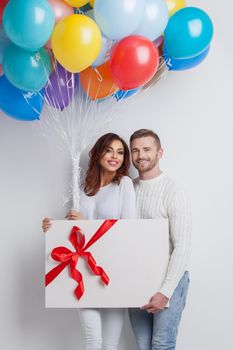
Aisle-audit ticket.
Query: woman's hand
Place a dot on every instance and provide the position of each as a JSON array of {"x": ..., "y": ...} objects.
[
  {"x": 74, "y": 215},
  {"x": 46, "y": 224}
]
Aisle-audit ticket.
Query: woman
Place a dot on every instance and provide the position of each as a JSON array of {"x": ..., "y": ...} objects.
[{"x": 108, "y": 194}]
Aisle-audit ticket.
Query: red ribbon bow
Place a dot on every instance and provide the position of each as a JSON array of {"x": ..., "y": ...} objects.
[{"x": 67, "y": 257}]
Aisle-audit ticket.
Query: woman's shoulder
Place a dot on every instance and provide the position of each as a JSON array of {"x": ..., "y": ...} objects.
[{"x": 126, "y": 180}]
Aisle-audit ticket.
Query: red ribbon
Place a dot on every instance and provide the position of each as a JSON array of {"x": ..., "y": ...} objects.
[{"x": 68, "y": 257}]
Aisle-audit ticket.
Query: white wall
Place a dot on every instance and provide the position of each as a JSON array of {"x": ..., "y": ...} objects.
[{"x": 192, "y": 112}]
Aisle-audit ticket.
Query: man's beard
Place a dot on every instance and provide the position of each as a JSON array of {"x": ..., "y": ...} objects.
[{"x": 150, "y": 165}]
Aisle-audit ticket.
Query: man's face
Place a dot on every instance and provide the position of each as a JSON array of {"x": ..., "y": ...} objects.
[{"x": 145, "y": 155}]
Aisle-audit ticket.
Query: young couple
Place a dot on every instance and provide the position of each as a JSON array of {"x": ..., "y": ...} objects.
[{"x": 109, "y": 193}]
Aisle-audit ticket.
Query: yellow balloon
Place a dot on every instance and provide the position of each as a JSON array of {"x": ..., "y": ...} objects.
[
  {"x": 77, "y": 3},
  {"x": 76, "y": 42},
  {"x": 92, "y": 2},
  {"x": 175, "y": 5}
]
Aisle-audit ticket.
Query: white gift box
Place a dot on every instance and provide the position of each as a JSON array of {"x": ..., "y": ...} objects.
[{"x": 133, "y": 253}]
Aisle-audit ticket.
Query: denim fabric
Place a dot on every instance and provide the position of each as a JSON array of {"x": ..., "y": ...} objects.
[{"x": 159, "y": 331}]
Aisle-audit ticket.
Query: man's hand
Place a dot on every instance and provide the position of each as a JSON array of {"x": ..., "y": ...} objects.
[{"x": 157, "y": 303}]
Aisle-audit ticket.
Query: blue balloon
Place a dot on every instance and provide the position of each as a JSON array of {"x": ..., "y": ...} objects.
[
  {"x": 117, "y": 19},
  {"x": 26, "y": 70},
  {"x": 121, "y": 94},
  {"x": 25, "y": 106},
  {"x": 4, "y": 41},
  {"x": 188, "y": 33},
  {"x": 154, "y": 19},
  {"x": 28, "y": 23},
  {"x": 184, "y": 63},
  {"x": 107, "y": 44},
  {"x": 84, "y": 8}
]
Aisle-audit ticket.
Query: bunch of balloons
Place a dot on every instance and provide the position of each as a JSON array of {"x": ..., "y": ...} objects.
[{"x": 108, "y": 48}]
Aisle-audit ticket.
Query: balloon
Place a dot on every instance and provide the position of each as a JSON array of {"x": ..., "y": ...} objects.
[
  {"x": 4, "y": 41},
  {"x": 98, "y": 82},
  {"x": 92, "y": 3},
  {"x": 121, "y": 94},
  {"x": 184, "y": 63},
  {"x": 118, "y": 19},
  {"x": 134, "y": 60},
  {"x": 188, "y": 33},
  {"x": 2, "y": 6},
  {"x": 76, "y": 42},
  {"x": 159, "y": 44},
  {"x": 28, "y": 23},
  {"x": 60, "y": 10},
  {"x": 107, "y": 44},
  {"x": 61, "y": 88},
  {"x": 154, "y": 19},
  {"x": 26, "y": 70},
  {"x": 85, "y": 8},
  {"x": 175, "y": 5},
  {"x": 77, "y": 3},
  {"x": 20, "y": 105}
]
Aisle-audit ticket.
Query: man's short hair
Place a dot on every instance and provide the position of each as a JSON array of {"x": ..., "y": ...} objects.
[{"x": 144, "y": 133}]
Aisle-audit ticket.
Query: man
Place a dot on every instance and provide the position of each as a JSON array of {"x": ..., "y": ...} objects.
[{"x": 156, "y": 324}]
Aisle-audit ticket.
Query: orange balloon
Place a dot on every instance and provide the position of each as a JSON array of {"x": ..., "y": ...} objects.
[{"x": 98, "y": 82}]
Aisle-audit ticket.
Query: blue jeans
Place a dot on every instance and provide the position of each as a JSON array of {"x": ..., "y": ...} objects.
[{"x": 159, "y": 331}]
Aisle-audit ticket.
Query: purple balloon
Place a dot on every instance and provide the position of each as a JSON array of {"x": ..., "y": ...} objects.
[{"x": 61, "y": 87}]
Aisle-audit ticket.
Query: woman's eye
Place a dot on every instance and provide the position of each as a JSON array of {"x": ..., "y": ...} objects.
[{"x": 121, "y": 153}]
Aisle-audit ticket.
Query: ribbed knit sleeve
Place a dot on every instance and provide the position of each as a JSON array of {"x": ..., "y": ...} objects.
[
  {"x": 179, "y": 215},
  {"x": 161, "y": 198}
]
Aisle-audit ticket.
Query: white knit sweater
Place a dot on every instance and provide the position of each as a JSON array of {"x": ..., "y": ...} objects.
[{"x": 161, "y": 198}]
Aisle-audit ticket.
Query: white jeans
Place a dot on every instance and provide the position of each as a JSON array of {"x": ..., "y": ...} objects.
[{"x": 101, "y": 328}]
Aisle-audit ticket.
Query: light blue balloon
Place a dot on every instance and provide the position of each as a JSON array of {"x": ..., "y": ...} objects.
[
  {"x": 104, "y": 53},
  {"x": 25, "y": 106},
  {"x": 188, "y": 33},
  {"x": 121, "y": 94},
  {"x": 4, "y": 41},
  {"x": 117, "y": 19},
  {"x": 178, "y": 64},
  {"x": 107, "y": 44},
  {"x": 154, "y": 19},
  {"x": 26, "y": 70},
  {"x": 28, "y": 23}
]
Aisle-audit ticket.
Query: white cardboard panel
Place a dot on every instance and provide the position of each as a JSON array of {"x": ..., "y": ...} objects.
[{"x": 134, "y": 254}]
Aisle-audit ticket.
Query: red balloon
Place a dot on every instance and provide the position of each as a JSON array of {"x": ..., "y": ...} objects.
[
  {"x": 134, "y": 61},
  {"x": 2, "y": 6}
]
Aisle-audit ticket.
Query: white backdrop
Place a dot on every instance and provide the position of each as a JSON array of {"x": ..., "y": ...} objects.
[{"x": 192, "y": 112}]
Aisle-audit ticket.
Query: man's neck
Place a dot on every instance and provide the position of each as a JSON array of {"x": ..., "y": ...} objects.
[{"x": 151, "y": 174}]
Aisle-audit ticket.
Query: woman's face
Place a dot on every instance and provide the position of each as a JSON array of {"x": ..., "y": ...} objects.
[{"x": 113, "y": 157}]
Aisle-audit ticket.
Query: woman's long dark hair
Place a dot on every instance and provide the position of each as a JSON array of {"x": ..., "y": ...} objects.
[{"x": 93, "y": 180}]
